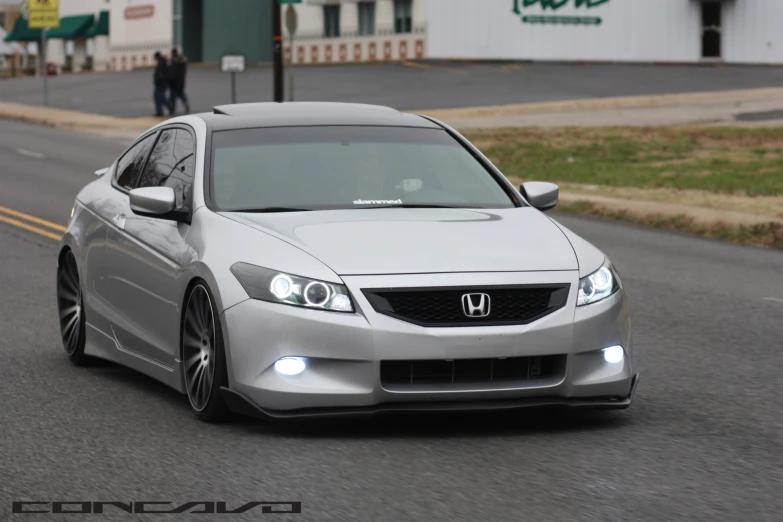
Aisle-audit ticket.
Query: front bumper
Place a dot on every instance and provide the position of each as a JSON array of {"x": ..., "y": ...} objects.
[
  {"x": 345, "y": 351},
  {"x": 244, "y": 406}
]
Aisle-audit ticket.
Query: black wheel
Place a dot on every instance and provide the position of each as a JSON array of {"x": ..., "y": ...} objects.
[
  {"x": 71, "y": 309},
  {"x": 203, "y": 360}
]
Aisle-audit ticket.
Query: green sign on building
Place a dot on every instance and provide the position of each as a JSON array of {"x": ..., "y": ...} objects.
[{"x": 555, "y": 5}]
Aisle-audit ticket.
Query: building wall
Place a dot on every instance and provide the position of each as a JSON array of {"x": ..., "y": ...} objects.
[
  {"x": 237, "y": 26},
  {"x": 133, "y": 41},
  {"x": 753, "y": 31},
  {"x": 629, "y": 30},
  {"x": 649, "y": 30},
  {"x": 310, "y": 45}
]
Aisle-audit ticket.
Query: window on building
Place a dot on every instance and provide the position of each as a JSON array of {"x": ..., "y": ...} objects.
[
  {"x": 403, "y": 16},
  {"x": 366, "y": 18},
  {"x": 331, "y": 21}
]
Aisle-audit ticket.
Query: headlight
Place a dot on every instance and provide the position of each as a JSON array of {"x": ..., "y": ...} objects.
[
  {"x": 599, "y": 285},
  {"x": 278, "y": 287}
]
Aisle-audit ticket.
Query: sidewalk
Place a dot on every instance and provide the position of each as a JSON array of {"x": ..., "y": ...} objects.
[{"x": 72, "y": 119}]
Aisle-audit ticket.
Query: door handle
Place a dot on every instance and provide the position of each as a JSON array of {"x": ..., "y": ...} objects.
[{"x": 119, "y": 221}]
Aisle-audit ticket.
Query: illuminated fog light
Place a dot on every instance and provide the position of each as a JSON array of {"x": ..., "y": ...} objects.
[
  {"x": 614, "y": 354},
  {"x": 282, "y": 286},
  {"x": 290, "y": 366}
]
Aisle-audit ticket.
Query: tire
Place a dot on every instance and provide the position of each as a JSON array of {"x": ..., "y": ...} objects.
[
  {"x": 70, "y": 308},
  {"x": 203, "y": 357}
]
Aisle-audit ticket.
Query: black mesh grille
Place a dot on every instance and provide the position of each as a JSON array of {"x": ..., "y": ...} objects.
[
  {"x": 444, "y": 306},
  {"x": 472, "y": 371}
]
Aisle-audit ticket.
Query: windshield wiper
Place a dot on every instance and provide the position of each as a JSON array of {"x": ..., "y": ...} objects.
[{"x": 270, "y": 209}]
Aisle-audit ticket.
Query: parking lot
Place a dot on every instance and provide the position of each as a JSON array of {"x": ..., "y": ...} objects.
[{"x": 410, "y": 86}]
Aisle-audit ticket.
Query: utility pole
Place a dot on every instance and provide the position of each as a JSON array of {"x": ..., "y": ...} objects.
[
  {"x": 44, "y": 68},
  {"x": 277, "y": 49}
]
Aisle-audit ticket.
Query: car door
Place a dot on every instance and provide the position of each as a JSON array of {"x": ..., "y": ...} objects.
[
  {"x": 147, "y": 255},
  {"x": 109, "y": 203}
]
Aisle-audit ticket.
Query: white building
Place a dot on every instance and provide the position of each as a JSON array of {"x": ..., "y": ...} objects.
[
  {"x": 125, "y": 34},
  {"x": 338, "y": 31},
  {"x": 138, "y": 29},
  {"x": 685, "y": 31}
]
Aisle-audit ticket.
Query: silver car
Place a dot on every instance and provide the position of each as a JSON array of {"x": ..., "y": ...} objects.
[{"x": 311, "y": 259}]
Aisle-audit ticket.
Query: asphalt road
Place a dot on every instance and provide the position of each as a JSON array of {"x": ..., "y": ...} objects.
[
  {"x": 702, "y": 441},
  {"x": 428, "y": 85}
]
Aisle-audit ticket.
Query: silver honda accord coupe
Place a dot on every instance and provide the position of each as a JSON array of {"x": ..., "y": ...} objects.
[{"x": 310, "y": 259}]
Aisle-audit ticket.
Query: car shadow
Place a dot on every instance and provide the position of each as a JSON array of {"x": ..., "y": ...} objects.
[{"x": 530, "y": 421}]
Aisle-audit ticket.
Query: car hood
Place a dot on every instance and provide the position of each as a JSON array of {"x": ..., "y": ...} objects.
[{"x": 409, "y": 241}]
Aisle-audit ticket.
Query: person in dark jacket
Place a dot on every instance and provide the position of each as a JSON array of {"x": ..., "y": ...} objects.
[
  {"x": 161, "y": 79},
  {"x": 179, "y": 64}
]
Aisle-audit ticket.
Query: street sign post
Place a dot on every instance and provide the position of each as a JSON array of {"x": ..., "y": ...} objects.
[
  {"x": 291, "y": 24},
  {"x": 43, "y": 14},
  {"x": 233, "y": 64}
]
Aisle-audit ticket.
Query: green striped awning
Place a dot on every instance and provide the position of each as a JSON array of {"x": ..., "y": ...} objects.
[
  {"x": 22, "y": 33},
  {"x": 72, "y": 27},
  {"x": 100, "y": 27}
]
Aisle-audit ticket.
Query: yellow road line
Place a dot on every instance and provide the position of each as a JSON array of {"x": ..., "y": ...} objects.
[
  {"x": 511, "y": 67},
  {"x": 408, "y": 63},
  {"x": 31, "y": 228},
  {"x": 33, "y": 219}
]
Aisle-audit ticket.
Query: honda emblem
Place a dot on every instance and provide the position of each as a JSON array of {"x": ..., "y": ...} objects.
[{"x": 475, "y": 305}]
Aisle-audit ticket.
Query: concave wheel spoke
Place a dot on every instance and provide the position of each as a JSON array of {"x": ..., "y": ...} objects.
[
  {"x": 198, "y": 313},
  {"x": 191, "y": 342},
  {"x": 210, "y": 374},
  {"x": 65, "y": 313},
  {"x": 199, "y": 365},
  {"x": 193, "y": 385},
  {"x": 192, "y": 360},
  {"x": 204, "y": 387},
  {"x": 70, "y": 323},
  {"x": 69, "y": 301},
  {"x": 191, "y": 324},
  {"x": 71, "y": 276}
]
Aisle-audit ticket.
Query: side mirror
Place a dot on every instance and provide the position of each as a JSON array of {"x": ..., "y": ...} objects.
[
  {"x": 153, "y": 201},
  {"x": 541, "y": 195},
  {"x": 101, "y": 172}
]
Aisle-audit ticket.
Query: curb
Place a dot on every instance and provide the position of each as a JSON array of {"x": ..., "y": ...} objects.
[{"x": 54, "y": 117}]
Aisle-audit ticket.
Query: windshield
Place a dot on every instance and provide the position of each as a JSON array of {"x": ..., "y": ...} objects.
[{"x": 343, "y": 167}]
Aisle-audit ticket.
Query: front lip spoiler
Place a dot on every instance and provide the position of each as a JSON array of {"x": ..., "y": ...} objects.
[{"x": 244, "y": 406}]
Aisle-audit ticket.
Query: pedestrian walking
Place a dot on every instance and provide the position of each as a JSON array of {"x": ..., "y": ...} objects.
[
  {"x": 161, "y": 80},
  {"x": 179, "y": 64}
]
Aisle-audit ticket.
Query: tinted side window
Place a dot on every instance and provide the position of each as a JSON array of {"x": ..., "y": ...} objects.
[
  {"x": 129, "y": 165},
  {"x": 172, "y": 164}
]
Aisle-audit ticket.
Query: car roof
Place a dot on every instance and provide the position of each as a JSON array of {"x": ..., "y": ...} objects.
[{"x": 303, "y": 114}]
